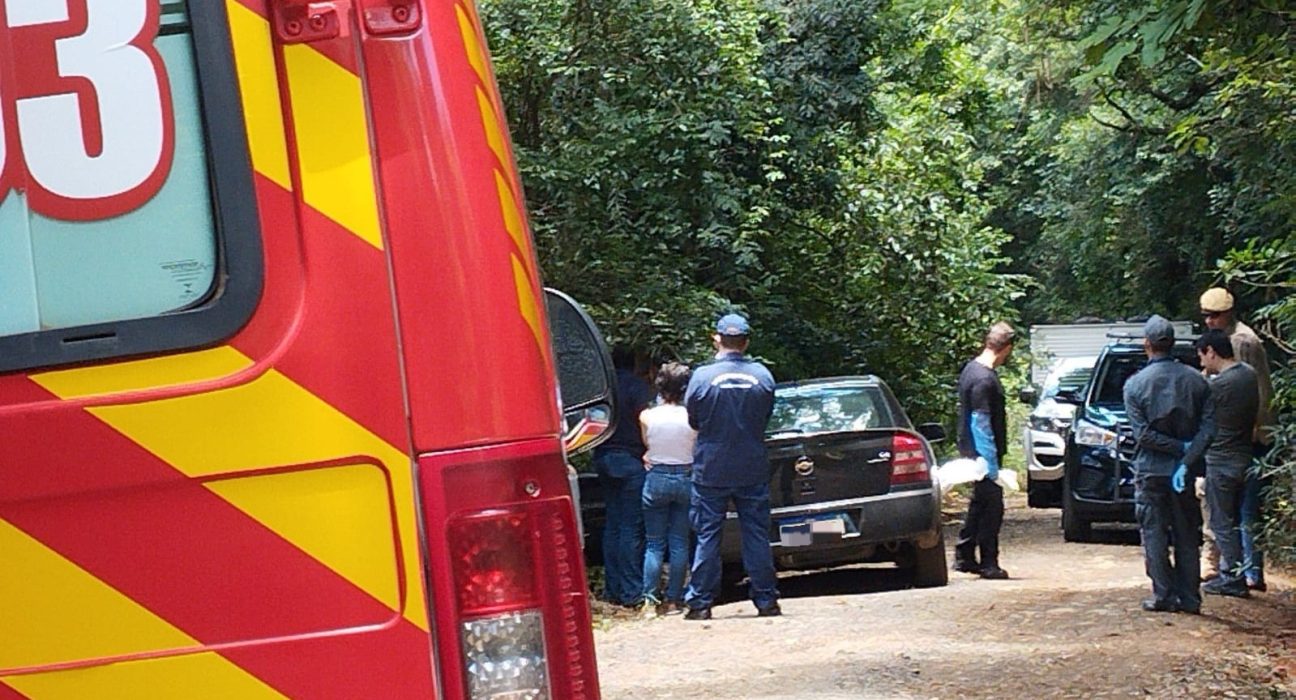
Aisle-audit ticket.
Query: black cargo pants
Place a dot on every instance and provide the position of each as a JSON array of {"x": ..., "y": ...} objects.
[
  {"x": 1168, "y": 519},
  {"x": 981, "y": 527}
]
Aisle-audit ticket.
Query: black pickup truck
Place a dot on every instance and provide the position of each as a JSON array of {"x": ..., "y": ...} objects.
[
  {"x": 850, "y": 481},
  {"x": 1098, "y": 477}
]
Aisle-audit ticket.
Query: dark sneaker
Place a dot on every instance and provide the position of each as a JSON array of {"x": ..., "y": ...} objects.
[
  {"x": 967, "y": 567},
  {"x": 698, "y": 614},
  {"x": 771, "y": 610},
  {"x": 1219, "y": 586},
  {"x": 1154, "y": 605},
  {"x": 1257, "y": 585},
  {"x": 993, "y": 572}
]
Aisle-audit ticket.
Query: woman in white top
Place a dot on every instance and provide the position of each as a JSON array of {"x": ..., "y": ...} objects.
[{"x": 669, "y": 460}]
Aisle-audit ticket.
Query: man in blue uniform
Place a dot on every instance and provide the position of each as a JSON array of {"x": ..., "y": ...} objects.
[
  {"x": 729, "y": 402},
  {"x": 983, "y": 432},
  {"x": 1171, "y": 414}
]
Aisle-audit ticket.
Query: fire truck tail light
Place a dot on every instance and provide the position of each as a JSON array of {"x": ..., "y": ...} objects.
[
  {"x": 502, "y": 629},
  {"x": 504, "y": 657},
  {"x": 494, "y": 562}
]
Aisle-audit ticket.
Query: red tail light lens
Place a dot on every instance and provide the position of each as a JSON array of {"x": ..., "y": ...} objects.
[
  {"x": 908, "y": 460},
  {"x": 494, "y": 562}
]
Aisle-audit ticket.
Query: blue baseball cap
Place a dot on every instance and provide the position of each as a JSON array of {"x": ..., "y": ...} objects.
[
  {"x": 1157, "y": 329},
  {"x": 733, "y": 324}
]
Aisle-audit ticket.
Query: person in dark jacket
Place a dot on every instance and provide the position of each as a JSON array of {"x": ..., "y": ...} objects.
[
  {"x": 1171, "y": 415},
  {"x": 729, "y": 403},
  {"x": 983, "y": 432},
  {"x": 620, "y": 466}
]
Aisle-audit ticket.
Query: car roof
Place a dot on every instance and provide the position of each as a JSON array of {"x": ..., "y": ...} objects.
[{"x": 851, "y": 380}]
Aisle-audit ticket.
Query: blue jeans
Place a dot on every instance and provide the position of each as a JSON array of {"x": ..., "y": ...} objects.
[
  {"x": 665, "y": 509},
  {"x": 707, "y": 511},
  {"x": 1252, "y": 496},
  {"x": 623, "y": 540},
  {"x": 1168, "y": 519},
  {"x": 1224, "y": 488}
]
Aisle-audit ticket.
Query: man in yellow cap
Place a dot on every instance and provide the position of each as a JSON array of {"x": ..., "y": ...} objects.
[{"x": 1219, "y": 312}]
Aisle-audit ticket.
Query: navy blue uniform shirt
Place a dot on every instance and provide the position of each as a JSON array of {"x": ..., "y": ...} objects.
[{"x": 729, "y": 403}]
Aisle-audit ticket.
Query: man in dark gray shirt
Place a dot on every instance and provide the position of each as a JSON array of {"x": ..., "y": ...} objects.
[
  {"x": 1236, "y": 397},
  {"x": 1169, "y": 409}
]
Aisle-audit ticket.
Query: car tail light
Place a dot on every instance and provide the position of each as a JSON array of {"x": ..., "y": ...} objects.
[
  {"x": 520, "y": 603},
  {"x": 908, "y": 460}
]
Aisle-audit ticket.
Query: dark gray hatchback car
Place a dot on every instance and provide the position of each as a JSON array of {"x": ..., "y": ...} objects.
[{"x": 850, "y": 481}]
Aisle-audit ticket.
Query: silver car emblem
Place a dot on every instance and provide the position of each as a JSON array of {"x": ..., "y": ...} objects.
[{"x": 804, "y": 466}]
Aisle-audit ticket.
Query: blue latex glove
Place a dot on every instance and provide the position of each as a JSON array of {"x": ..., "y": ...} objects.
[
  {"x": 1179, "y": 481},
  {"x": 1187, "y": 445},
  {"x": 984, "y": 442}
]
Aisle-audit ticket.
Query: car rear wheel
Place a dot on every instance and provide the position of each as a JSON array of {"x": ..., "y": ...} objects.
[
  {"x": 930, "y": 570},
  {"x": 1074, "y": 527}
]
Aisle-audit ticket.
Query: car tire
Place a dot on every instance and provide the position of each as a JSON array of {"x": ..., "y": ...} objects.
[
  {"x": 930, "y": 569},
  {"x": 1074, "y": 527}
]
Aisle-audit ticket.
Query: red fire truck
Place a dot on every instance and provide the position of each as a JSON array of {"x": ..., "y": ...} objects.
[{"x": 278, "y": 413}]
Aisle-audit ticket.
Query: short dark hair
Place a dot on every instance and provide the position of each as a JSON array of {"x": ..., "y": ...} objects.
[
  {"x": 1161, "y": 346},
  {"x": 672, "y": 381},
  {"x": 623, "y": 356},
  {"x": 1216, "y": 340},
  {"x": 733, "y": 342},
  {"x": 1000, "y": 336}
]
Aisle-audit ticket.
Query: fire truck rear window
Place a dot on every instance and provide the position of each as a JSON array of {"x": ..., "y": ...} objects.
[{"x": 106, "y": 211}]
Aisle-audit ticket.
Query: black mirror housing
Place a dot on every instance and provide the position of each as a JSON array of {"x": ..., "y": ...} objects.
[
  {"x": 1028, "y": 395},
  {"x": 1071, "y": 396},
  {"x": 586, "y": 379},
  {"x": 934, "y": 432}
]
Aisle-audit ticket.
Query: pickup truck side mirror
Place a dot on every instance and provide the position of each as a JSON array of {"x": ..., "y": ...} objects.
[
  {"x": 934, "y": 432},
  {"x": 1071, "y": 396},
  {"x": 1028, "y": 395},
  {"x": 585, "y": 375}
]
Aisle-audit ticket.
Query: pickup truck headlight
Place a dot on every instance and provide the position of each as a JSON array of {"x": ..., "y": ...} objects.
[
  {"x": 1049, "y": 424},
  {"x": 1092, "y": 435}
]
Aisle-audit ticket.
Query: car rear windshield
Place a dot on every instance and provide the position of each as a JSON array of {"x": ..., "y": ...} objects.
[{"x": 828, "y": 408}]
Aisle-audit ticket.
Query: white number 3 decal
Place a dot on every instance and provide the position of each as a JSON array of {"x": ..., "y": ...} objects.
[{"x": 92, "y": 105}]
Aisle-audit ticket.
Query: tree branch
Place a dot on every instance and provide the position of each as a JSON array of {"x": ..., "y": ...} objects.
[{"x": 1129, "y": 118}]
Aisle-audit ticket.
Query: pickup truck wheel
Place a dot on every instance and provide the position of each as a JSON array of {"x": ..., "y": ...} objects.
[
  {"x": 929, "y": 569},
  {"x": 1074, "y": 528}
]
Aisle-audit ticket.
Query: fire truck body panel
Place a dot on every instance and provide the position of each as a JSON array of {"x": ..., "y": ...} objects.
[{"x": 273, "y": 512}]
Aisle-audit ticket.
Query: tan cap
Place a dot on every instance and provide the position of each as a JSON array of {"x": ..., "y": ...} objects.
[{"x": 1216, "y": 299}]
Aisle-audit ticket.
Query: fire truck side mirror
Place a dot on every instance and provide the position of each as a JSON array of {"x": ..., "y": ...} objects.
[{"x": 585, "y": 375}]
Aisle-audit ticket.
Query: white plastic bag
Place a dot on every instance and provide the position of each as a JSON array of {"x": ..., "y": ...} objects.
[{"x": 965, "y": 471}]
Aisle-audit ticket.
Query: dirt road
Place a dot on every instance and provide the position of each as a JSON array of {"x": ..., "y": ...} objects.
[{"x": 1066, "y": 625}]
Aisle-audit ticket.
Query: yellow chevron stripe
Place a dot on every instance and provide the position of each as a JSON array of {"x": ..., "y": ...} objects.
[
  {"x": 332, "y": 131},
  {"x": 511, "y": 213},
  {"x": 196, "y": 677},
  {"x": 274, "y": 422},
  {"x": 341, "y": 515},
  {"x": 259, "y": 86},
  {"x": 527, "y": 304},
  {"x": 491, "y": 124},
  {"x": 476, "y": 57},
  {"x": 158, "y": 372},
  {"x": 55, "y": 611}
]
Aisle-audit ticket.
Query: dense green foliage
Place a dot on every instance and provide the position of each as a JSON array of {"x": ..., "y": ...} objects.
[{"x": 875, "y": 181}]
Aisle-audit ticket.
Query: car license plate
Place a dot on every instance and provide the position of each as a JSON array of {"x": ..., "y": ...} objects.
[{"x": 801, "y": 533}]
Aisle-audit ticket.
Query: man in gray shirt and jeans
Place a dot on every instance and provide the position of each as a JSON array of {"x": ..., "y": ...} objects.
[
  {"x": 1169, "y": 409},
  {"x": 1236, "y": 397}
]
